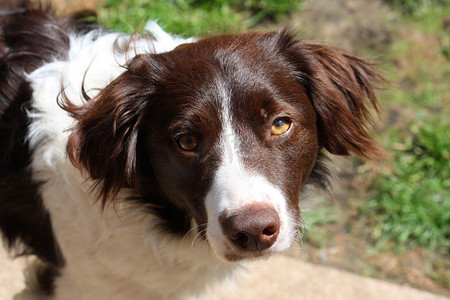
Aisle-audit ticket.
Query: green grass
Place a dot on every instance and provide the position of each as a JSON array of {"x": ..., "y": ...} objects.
[
  {"x": 413, "y": 7},
  {"x": 314, "y": 220},
  {"x": 411, "y": 202},
  {"x": 193, "y": 17},
  {"x": 411, "y": 205}
]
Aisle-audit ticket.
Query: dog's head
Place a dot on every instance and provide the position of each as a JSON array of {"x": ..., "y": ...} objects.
[{"x": 225, "y": 132}]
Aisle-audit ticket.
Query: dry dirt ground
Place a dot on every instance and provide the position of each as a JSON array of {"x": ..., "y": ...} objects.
[{"x": 280, "y": 277}]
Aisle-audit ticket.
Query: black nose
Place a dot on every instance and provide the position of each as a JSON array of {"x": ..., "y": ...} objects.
[{"x": 254, "y": 228}]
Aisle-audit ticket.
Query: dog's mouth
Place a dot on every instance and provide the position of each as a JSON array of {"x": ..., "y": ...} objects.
[{"x": 232, "y": 255}]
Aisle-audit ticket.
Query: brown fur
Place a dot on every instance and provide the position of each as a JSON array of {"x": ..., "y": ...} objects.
[{"x": 327, "y": 92}]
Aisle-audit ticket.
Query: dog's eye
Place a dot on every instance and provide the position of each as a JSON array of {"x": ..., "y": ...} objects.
[
  {"x": 280, "y": 126},
  {"x": 188, "y": 142}
]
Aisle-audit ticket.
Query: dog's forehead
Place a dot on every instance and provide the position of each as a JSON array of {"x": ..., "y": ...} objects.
[
  {"x": 202, "y": 74},
  {"x": 234, "y": 54}
]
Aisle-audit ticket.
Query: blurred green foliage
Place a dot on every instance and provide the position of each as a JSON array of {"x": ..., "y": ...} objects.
[
  {"x": 313, "y": 229},
  {"x": 411, "y": 205},
  {"x": 193, "y": 17},
  {"x": 411, "y": 7}
]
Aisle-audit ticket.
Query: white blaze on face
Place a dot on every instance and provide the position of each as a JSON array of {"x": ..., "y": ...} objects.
[{"x": 234, "y": 187}]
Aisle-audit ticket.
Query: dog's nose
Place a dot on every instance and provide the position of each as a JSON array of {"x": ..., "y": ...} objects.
[{"x": 254, "y": 228}]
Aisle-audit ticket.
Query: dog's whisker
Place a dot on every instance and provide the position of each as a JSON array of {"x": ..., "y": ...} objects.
[
  {"x": 297, "y": 244},
  {"x": 195, "y": 237},
  {"x": 192, "y": 229}
]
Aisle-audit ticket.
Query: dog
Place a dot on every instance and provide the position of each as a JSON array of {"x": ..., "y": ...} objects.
[{"x": 151, "y": 166}]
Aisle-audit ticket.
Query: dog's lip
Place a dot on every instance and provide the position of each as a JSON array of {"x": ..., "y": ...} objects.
[{"x": 234, "y": 255}]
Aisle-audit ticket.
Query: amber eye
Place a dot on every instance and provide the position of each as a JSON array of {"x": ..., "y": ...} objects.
[
  {"x": 188, "y": 142},
  {"x": 280, "y": 126}
]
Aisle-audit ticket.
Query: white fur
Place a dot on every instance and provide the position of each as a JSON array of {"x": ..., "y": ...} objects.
[{"x": 115, "y": 254}]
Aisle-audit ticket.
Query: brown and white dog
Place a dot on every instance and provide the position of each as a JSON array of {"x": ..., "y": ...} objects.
[{"x": 146, "y": 168}]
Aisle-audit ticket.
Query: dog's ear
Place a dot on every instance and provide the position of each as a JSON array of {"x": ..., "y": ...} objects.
[
  {"x": 342, "y": 89},
  {"x": 104, "y": 140}
]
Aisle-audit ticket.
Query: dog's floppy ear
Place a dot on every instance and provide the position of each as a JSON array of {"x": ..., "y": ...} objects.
[
  {"x": 104, "y": 139},
  {"x": 342, "y": 89}
]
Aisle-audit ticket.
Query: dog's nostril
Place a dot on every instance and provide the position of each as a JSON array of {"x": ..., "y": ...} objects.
[
  {"x": 270, "y": 230},
  {"x": 241, "y": 239},
  {"x": 255, "y": 228}
]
